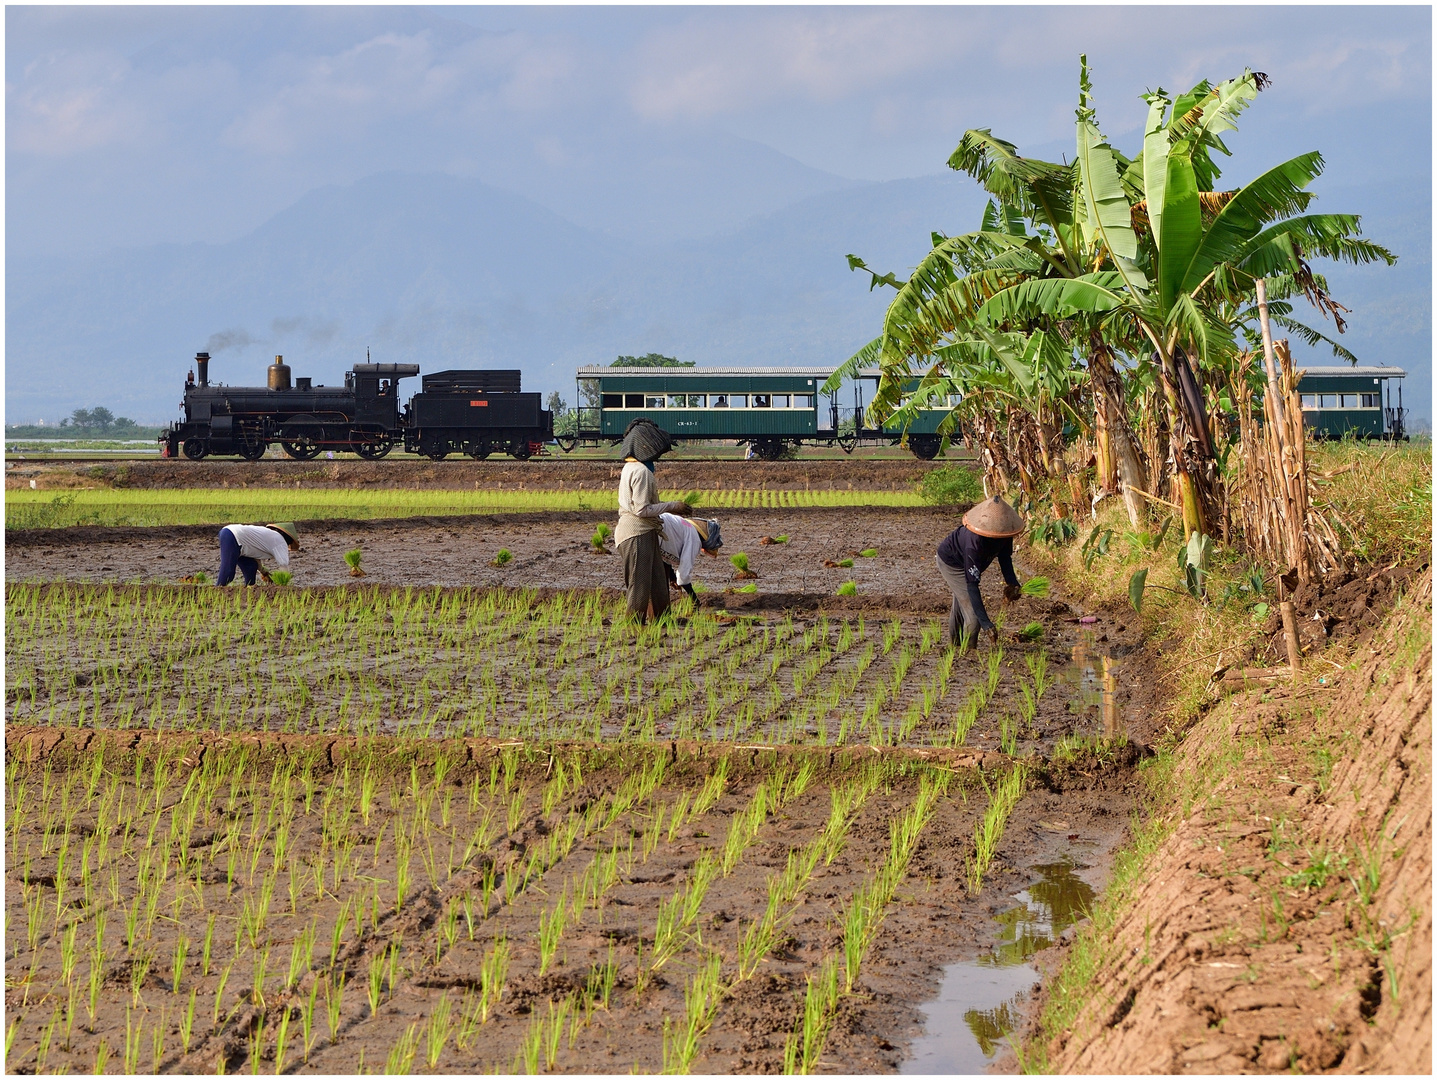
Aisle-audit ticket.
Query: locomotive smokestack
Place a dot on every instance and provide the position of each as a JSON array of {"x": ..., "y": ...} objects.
[
  {"x": 202, "y": 365},
  {"x": 279, "y": 374}
]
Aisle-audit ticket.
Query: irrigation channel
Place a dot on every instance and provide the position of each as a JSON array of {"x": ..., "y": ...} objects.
[{"x": 459, "y": 827}]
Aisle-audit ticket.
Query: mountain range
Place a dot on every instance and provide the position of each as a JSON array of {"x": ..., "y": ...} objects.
[{"x": 448, "y": 272}]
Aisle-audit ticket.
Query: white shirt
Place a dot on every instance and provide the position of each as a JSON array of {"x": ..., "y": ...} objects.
[
  {"x": 638, "y": 502},
  {"x": 261, "y": 542},
  {"x": 679, "y": 544}
]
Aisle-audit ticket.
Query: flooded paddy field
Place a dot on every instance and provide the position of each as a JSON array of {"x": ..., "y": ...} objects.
[
  {"x": 305, "y": 904},
  {"x": 459, "y": 827}
]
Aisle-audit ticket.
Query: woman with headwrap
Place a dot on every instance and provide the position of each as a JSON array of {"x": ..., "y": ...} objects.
[
  {"x": 637, "y": 534},
  {"x": 986, "y": 533}
]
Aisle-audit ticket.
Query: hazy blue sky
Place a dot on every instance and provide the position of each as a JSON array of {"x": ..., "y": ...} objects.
[{"x": 130, "y": 125}]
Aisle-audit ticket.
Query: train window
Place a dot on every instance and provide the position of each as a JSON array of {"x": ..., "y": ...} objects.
[
  {"x": 780, "y": 401},
  {"x": 761, "y": 401},
  {"x": 612, "y": 401},
  {"x": 1309, "y": 401},
  {"x": 954, "y": 400},
  {"x": 633, "y": 401},
  {"x": 1372, "y": 401},
  {"x": 1352, "y": 401},
  {"x": 677, "y": 401},
  {"x": 653, "y": 401},
  {"x": 738, "y": 401},
  {"x": 698, "y": 401},
  {"x": 1327, "y": 401},
  {"x": 718, "y": 401},
  {"x": 803, "y": 401}
]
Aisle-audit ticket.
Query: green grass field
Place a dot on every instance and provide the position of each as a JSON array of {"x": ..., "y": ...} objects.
[{"x": 218, "y": 506}]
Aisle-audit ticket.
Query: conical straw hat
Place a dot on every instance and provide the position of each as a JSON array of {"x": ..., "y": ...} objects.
[{"x": 994, "y": 518}]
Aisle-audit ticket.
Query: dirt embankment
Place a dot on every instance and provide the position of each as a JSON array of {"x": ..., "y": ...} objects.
[
  {"x": 1285, "y": 924},
  {"x": 462, "y": 475}
]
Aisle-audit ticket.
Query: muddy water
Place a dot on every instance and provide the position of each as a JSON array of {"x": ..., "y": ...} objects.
[{"x": 980, "y": 1001}]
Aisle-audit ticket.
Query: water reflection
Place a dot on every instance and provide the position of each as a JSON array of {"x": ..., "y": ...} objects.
[
  {"x": 987, "y": 994},
  {"x": 1044, "y": 910},
  {"x": 1094, "y": 678}
]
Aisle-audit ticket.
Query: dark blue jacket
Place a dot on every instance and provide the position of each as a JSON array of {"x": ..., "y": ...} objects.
[{"x": 971, "y": 553}]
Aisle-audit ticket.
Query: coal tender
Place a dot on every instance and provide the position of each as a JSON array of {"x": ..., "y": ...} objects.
[{"x": 469, "y": 412}]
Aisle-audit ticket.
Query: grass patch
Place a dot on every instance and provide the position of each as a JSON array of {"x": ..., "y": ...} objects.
[{"x": 205, "y": 506}]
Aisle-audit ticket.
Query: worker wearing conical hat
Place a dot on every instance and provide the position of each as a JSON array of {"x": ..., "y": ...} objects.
[
  {"x": 680, "y": 542},
  {"x": 244, "y": 547},
  {"x": 986, "y": 534}
]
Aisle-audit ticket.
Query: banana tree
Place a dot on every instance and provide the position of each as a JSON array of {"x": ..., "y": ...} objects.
[{"x": 1167, "y": 253}]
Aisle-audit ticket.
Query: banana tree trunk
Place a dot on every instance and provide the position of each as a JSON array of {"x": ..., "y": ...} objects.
[
  {"x": 1122, "y": 444},
  {"x": 1185, "y": 480}
]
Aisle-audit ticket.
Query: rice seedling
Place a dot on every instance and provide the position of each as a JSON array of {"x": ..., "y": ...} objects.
[
  {"x": 602, "y": 532},
  {"x": 501, "y": 557},
  {"x": 848, "y": 588},
  {"x": 492, "y": 974},
  {"x": 401, "y": 1055},
  {"x": 281, "y": 577},
  {"x": 334, "y": 1004},
  {"x": 281, "y": 1038},
  {"x": 1037, "y": 587},
  {"x": 437, "y": 1031},
  {"x": 353, "y": 558},
  {"x": 1002, "y": 797},
  {"x": 1031, "y": 631}
]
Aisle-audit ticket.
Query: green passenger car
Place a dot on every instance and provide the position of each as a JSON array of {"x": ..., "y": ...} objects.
[
  {"x": 766, "y": 407},
  {"x": 923, "y": 438},
  {"x": 1365, "y": 402}
]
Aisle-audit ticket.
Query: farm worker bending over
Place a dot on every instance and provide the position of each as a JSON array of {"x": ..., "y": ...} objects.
[
  {"x": 986, "y": 533},
  {"x": 637, "y": 534},
  {"x": 244, "y": 546},
  {"x": 680, "y": 541}
]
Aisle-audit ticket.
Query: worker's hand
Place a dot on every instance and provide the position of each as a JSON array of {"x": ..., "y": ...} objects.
[
  {"x": 265, "y": 574},
  {"x": 1012, "y": 592},
  {"x": 993, "y": 630}
]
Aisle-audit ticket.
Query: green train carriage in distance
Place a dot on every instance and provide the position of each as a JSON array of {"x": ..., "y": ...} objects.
[
  {"x": 1358, "y": 401},
  {"x": 768, "y": 408}
]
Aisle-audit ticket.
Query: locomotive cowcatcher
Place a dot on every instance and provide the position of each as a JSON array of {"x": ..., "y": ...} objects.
[{"x": 470, "y": 412}]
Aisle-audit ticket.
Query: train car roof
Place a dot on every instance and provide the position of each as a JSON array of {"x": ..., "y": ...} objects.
[
  {"x": 1377, "y": 371},
  {"x": 797, "y": 372},
  {"x": 399, "y": 370}
]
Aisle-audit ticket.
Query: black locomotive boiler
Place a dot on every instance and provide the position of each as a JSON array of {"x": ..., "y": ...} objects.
[{"x": 470, "y": 412}]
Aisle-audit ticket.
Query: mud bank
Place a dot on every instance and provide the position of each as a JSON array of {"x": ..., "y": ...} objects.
[{"x": 1284, "y": 923}]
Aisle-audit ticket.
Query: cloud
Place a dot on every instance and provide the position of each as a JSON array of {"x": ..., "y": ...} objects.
[
  {"x": 716, "y": 63},
  {"x": 64, "y": 102}
]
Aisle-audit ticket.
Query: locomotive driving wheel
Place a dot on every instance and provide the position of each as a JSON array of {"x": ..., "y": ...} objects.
[
  {"x": 482, "y": 451},
  {"x": 372, "y": 445},
  {"x": 301, "y": 438},
  {"x": 768, "y": 449},
  {"x": 249, "y": 442},
  {"x": 519, "y": 450},
  {"x": 195, "y": 448}
]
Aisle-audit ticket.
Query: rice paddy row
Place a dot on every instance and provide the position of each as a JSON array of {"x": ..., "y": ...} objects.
[
  {"x": 171, "y": 911},
  {"x": 438, "y": 662},
  {"x": 26, "y": 509}
]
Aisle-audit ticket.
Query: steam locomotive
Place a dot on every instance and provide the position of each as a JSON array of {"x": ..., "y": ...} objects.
[{"x": 477, "y": 413}]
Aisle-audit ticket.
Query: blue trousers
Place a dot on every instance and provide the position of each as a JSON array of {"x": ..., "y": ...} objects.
[{"x": 230, "y": 558}]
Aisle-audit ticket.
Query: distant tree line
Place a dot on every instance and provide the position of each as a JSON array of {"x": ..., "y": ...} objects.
[{"x": 95, "y": 423}]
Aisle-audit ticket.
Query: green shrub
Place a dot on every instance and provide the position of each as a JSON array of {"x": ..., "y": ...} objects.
[{"x": 951, "y": 486}]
